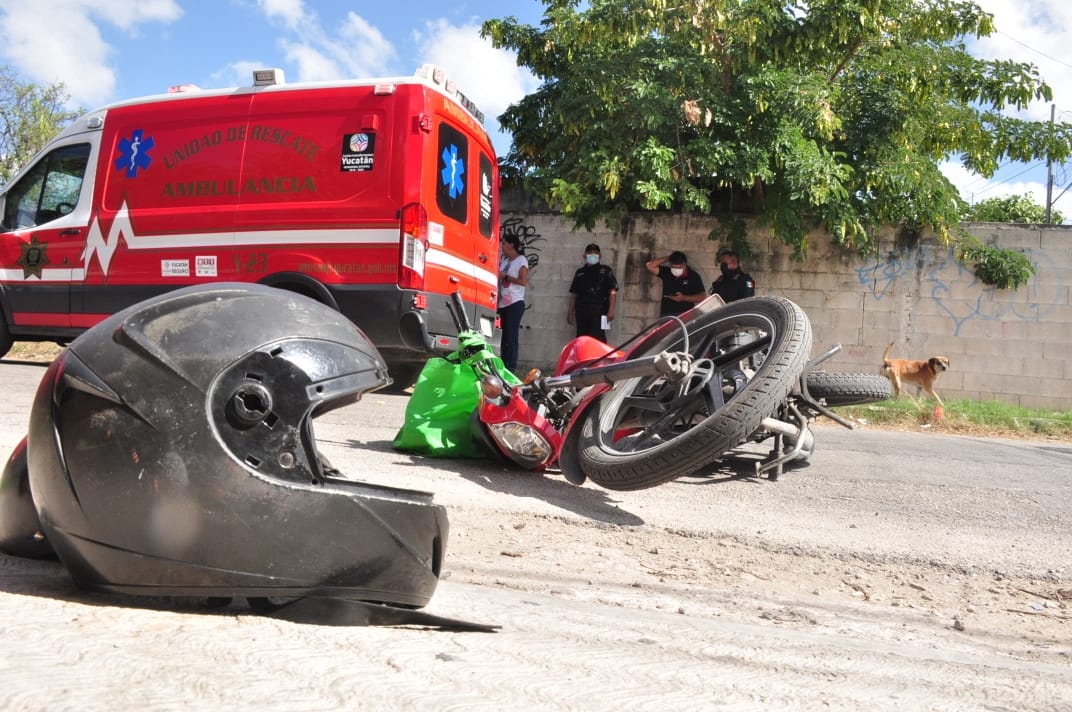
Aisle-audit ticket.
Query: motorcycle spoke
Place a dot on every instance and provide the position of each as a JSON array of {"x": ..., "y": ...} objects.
[
  {"x": 675, "y": 406},
  {"x": 643, "y": 403},
  {"x": 744, "y": 351},
  {"x": 706, "y": 346}
]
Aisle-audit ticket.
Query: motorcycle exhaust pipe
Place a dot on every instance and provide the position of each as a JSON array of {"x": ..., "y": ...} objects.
[
  {"x": 800, "y": 438},
  {"x": 781, "y": 427}
]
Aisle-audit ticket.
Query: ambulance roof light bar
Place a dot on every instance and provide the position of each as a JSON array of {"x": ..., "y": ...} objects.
[
  {"x": 438, "y": 77},
  {"x": 268, "y": 77}
]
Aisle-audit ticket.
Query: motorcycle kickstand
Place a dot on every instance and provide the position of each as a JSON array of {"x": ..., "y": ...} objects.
[{"x": 774, "y": 469}]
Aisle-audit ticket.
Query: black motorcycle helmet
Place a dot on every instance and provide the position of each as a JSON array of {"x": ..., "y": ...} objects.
[{"x": 171, "y": 453}]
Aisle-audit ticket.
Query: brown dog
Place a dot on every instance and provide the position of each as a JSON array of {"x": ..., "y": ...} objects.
[{"x": 922, "y": 373}]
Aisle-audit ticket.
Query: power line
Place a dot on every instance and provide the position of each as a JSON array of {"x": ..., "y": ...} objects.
[
  {"x": 1027, "y": 46},
  {"x": 990, "y": 184}
]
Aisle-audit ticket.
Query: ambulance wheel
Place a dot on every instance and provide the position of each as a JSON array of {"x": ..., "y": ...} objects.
[
  {"x": 403, "y": 376},
  {"x": 5, "y": 337}
]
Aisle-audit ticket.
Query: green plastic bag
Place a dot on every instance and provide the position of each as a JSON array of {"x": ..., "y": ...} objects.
[{"x": 444, "y": 398}]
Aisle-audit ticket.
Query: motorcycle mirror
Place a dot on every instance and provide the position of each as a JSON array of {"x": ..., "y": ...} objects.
[{"x": 491, "y": 386}]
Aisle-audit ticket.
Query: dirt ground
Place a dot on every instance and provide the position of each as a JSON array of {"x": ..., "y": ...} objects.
[
  {"x": 845, "y": 585},
  {"x": 669, "y": 571}
]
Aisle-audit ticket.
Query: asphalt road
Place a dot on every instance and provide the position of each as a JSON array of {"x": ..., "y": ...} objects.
[{"x": 834, "y": 587}]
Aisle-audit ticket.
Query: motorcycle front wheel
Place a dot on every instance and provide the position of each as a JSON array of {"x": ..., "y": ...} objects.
[{"x": 747, "y": 356}]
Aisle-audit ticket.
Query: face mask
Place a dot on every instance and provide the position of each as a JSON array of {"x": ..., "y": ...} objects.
[
  {"x": 677, "y": 271},
  {"x": 592, "y": 259}
]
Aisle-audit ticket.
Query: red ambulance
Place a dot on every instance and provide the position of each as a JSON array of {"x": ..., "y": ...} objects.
[{"x": 376, "y": 197}]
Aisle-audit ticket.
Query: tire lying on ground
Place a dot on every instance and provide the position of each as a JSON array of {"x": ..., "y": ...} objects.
[{"x": 840, "y": 389}]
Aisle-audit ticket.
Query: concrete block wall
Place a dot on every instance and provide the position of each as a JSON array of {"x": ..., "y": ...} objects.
[{"x": 1010, "y": 346}]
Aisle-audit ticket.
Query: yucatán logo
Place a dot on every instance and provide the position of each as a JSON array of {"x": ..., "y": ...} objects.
[{"x": 358, "y": 152}]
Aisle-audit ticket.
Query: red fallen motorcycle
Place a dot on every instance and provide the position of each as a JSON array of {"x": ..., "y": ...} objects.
[{"x": 669, "y": 402}]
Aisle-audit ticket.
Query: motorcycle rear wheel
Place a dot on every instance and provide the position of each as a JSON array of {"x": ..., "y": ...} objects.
[
  {"x": 645, "y": 431},
  {"x": 839, "y": 389}
]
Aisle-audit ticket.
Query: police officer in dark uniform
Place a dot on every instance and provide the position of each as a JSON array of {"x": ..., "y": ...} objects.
[
  {"x": 733, "y": 284},
  {"x": 593, "y": 294},
  {"x": 683, "y": 288}
]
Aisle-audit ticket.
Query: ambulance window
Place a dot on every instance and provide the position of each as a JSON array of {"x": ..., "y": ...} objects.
[
  {"x": 49, "y": 190},
  {"x": 487, "y": 196},
  {"x": 452, "y": 159}
]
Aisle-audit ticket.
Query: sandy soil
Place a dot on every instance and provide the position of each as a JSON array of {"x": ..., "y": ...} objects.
[{"x": 860, "y": 582}]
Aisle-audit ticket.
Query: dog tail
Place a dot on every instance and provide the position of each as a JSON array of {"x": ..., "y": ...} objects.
[{"x": 885, "y": 355}]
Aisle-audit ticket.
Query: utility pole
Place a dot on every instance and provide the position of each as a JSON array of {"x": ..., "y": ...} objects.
[{"x": 1049, "y": 169}]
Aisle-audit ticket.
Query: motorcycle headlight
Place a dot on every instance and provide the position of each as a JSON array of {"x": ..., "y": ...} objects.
[{"x": 523, "y": 442}]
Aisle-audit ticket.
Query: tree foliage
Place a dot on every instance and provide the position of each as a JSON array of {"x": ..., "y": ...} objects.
[
  {"x": 831, "y": 114},
  {"x": 1010, "y": 209},
  {"x": 30, "y": 116}
]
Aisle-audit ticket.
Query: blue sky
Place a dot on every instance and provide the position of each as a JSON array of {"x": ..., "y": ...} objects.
[{"x": 106, "y": 50}]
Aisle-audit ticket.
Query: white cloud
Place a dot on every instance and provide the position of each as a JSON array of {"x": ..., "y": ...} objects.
[
  {"x": 290, "y": 12},
  {"x": 366, "y": 51},
  {"x": 488, "y": 76},
  {"x": 313, "y": 65},
  {"x": 975, "y": 189},
  {"x": 125, "y": 14},
  {"x": 237, "y": 74},
  {"x": 1037, "y": 32},
  {"x": 77, "y": 55},
  {"x": 355, "y": 49}
]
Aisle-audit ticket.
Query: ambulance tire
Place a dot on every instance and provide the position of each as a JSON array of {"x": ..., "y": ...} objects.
[
  {"x": 6, "y": 341},
  {"x": 403, "y": 376}
]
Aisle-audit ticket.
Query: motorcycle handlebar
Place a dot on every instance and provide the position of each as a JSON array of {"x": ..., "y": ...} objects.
[
  {"x": 665, "y": 363},
  {"x": 457, "y": 312}
]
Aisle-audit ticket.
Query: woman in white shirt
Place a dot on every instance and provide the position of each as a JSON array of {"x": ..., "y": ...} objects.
[{"x": 513, "y": 275}]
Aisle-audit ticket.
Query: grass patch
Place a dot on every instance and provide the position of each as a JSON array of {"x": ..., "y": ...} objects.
[
  {"x": 965, "y": 417},
  {"x": 33, "y": 351}
]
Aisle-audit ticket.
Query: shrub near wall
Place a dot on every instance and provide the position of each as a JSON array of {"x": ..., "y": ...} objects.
[{"x": 1009, "y": 346}]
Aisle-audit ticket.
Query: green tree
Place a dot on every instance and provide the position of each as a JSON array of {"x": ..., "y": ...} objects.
[
  {"x": 30, "y": 116},
  {"x": 1010, "y": 209},
  {"x": 832, "y": 114}
]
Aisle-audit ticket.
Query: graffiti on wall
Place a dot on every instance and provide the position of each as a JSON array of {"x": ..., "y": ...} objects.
[
  {"x": 531, "y": 244},
  {"x": 528, "y": 237},
  {"x": 957, "y": 292}
]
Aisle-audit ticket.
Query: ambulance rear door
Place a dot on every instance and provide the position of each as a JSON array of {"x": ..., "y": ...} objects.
[{"x": 463, "y": 251}]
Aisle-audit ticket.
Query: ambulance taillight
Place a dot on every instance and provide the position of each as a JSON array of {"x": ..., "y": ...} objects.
[{"x": 413, "y": 247}]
